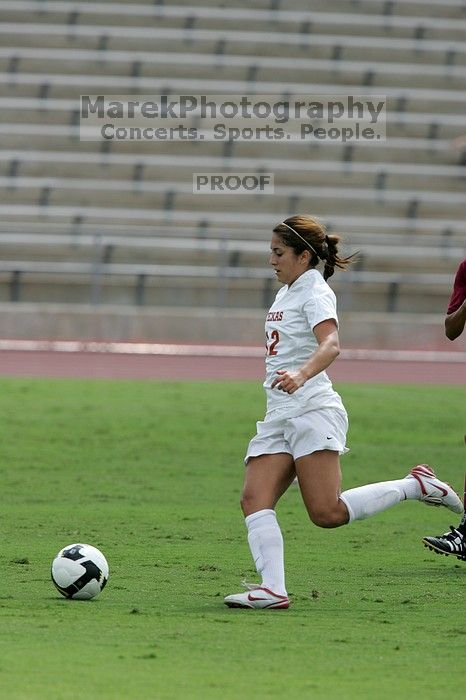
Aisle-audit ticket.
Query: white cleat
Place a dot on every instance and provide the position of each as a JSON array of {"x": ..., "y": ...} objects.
[
  {"x": 435, "y": 492},
  {"x": 258, "y": 598}
]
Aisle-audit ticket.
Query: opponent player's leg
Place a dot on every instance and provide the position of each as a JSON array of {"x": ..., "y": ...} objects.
[
  {"x": 452, "y": 542},
  {"x": 267, "y": 478}
]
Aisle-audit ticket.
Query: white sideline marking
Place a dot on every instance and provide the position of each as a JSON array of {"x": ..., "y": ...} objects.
[{"x": 118, "y": 348}]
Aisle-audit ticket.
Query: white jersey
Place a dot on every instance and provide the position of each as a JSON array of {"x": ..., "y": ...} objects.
[{"x": 290, "y": 342}]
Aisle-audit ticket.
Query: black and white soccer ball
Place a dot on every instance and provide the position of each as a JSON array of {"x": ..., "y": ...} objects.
[{"x": 80, "y": 571}]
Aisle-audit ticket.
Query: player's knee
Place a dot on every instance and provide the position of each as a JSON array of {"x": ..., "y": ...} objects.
[
  {"x": 251, "y": 502},
  {"x": 247, "y": 502},
  {"x": 326, "y": 517}
]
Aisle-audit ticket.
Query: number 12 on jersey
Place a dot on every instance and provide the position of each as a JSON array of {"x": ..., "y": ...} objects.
[{"x": 271, "y": 341}]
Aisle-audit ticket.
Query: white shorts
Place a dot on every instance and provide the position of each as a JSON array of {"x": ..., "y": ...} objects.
[{"x": 320, "y": 429}]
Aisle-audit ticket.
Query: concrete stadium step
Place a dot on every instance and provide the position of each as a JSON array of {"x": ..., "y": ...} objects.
[
  {"x": 440, "y": 8},
  {"x": 421, "y": 151},
  {"x": 103, "y": 242},
  {"x": 381, "y": 177},
  {"x": 407, "y": 259},
  {"x": 62, "y": 86},
  {"x": 173, "y": 16},
  {"x": 105, "y": 249},
  {"x": 74, "y": 169},
  {"x": 330, "y": 47},
  {"x": 381, "y": 296},
  {"x": 75, "y": 219},
  {"x": 234, "y": 42},
  {"x": 126, "y": 292},
  {"x": 327, "y": 72},
  {"x": 184, "y": 64},
  {"x": 64, "y": 138},
  {"x": 319, "y": 50},
  {"x": 392, "y": 203},
  {"x": 24, "y": 109},
  {"x": 132, "y": 285},
  {"x": 129, "y": 250},
  {"x": 411, "y": 8},
  {"x": 386, "y": 284},
  {"x": 181, "y": 189},
  {"x": 210, "y": 286}
]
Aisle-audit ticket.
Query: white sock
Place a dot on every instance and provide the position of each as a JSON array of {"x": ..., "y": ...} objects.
[
  {"x": 266, "y": 544},
  {"x": 364, "y": 501}
]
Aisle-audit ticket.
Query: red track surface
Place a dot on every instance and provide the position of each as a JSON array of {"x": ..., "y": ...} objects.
[{"x": 46, "y": 363}]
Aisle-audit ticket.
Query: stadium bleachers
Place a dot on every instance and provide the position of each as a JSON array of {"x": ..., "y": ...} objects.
[{"x": 117, "y": 222}]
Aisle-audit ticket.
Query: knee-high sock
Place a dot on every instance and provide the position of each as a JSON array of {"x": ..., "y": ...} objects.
[
  {"x": 364, "y": 501},
  {"x": 266, "y": 545}
]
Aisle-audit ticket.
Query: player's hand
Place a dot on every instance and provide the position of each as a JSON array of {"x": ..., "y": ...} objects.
[{"x": 288, "y": 382}]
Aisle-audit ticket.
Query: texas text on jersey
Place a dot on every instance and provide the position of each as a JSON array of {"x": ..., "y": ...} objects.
[{"x": 290, "y": 341}]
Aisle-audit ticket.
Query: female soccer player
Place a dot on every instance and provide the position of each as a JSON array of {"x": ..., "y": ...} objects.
[{"x": 304, "y": 430}]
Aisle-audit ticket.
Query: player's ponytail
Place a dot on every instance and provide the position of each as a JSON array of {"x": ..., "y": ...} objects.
[
  {"x": 303, "y": 232},
  {"x": 331, "y": 257}
]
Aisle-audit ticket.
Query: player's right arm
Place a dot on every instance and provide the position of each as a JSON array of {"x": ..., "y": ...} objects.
[
  {"x": 456, "y": 314},
  {"x": 455, "y": 322},
  {"x": 327, "y": 351}
]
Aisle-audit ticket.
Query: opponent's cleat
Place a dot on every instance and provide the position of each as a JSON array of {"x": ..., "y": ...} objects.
[
  {"x": 259, "y": 598},
  {"x": 452, "y": 542},
  {"x": 435, "y": 492}
]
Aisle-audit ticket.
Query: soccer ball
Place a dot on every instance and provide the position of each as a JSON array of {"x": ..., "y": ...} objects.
[{"x": 80, "y": 571}]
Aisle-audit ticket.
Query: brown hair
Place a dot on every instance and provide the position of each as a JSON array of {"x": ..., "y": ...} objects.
[{"x": 310, "y": 234}]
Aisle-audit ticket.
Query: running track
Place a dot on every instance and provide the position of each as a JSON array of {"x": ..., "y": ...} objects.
[{"x": 194, "y": 362}]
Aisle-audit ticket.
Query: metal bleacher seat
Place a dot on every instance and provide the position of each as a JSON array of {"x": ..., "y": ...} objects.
[
  {"x": 63, "y": 86},
  {"x": 239, "y": 67},
  {"x": 92, "y": 275},
  {"x": 445, "y": 9},
  {"x": 233, "y": 249},
  {"x": 297, "y": 170},
  {"x": 178, "y": 195},
  {"x": 341, "y": 35},
  {"x": 25, "y": 118}
]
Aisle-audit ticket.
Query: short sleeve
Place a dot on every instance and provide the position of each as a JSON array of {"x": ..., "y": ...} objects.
[
  {"x": 458, "y": 294},
  {"x": 321, "y": 307}
]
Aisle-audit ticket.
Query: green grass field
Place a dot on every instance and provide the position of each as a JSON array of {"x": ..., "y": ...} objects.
[{"x": 151, "y": 472}]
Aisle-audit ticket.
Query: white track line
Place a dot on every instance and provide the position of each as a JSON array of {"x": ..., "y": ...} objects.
[{"x": 118, "y": 348}]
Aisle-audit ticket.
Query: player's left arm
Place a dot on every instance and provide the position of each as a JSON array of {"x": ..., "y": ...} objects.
[{"x": 328, "y": 350}]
